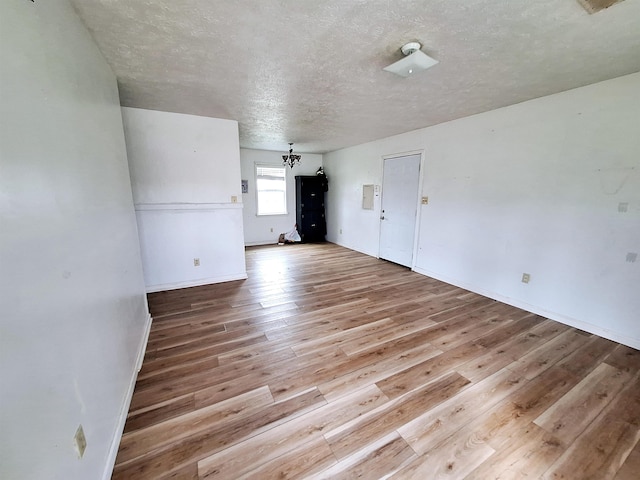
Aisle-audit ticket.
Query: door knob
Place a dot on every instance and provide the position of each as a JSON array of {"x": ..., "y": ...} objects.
[{"x": 382, "y": 217}]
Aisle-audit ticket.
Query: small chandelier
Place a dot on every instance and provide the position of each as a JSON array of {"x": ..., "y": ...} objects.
[{"x": 292, "y": 158}]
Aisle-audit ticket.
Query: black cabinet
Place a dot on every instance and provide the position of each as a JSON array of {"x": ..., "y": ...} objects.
[{"x": 310, "y": 189}]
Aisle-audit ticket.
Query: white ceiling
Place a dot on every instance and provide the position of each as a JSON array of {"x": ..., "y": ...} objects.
[{"x": 310, "y": 71}]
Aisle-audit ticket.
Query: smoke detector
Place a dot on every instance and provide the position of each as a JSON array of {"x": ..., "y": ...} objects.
[{"x": 415, "y": 61}]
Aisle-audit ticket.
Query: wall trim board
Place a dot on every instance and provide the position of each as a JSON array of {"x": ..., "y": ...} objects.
[
  {"x": 124, "y": 410},
  {"x": 143, "y": 344},
  {"x": 371, "y": 254},
  {"x": 260, "y": 243},
  {"x": 572, "y": 322},
  {"x": 140, "y": 207},
  {"x": 196, "y": 283},
  {"x": 407, "y": 153}
]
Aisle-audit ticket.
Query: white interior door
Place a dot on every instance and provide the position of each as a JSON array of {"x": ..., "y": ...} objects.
[{"x": 400, "y": 184}]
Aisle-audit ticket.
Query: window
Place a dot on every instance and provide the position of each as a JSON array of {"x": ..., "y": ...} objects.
[{"x": 271, "y": 189}]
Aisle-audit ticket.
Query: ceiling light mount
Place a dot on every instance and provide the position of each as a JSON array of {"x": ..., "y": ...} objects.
[
  {"x": 415, "y": 61},
  {"x": 409, "y": 48},
  {"x": 291, "y": 159}
]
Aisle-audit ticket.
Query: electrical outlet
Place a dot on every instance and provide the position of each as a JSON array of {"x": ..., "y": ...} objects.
[
  {"x": 196, "y": 262},
  {"x": 425, "y": 200},
  {"x": 340, "y": 231},
  {"x": 234, "y": 199},
  {"x": 623, "y": 207},
  {"x": 271, "y": 229},
  {"x": 80, "y": 441},
  {"x": 526, "y": 277},
  {"x": 632, "y": 257}
]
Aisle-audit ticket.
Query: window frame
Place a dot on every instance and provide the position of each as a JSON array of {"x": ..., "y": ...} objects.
[{"x": 257, "y": 176}]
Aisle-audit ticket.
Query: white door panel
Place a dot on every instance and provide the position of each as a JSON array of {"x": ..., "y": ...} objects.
[{"x": 400, "y": 184}]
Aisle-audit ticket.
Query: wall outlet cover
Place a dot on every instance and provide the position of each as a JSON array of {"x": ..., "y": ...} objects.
[{"x": 526, "y": 277}]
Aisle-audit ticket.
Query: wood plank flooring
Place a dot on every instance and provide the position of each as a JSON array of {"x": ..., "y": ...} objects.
[{"x": 330, "y": 364}]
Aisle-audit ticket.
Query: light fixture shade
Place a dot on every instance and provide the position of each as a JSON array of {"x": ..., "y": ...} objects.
[
  {"x": 292, "y": 158},
  {"x": 418, "y": 61}
]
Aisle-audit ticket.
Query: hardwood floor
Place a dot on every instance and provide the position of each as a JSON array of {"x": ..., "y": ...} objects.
[{"x": 327, "y": 363}]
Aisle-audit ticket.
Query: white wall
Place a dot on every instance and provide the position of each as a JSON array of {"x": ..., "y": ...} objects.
[
  {"x": 348, "y": 224},
  {"x": 185, "y": 173},
  {"x": 74, "y": 313},
  {"x": 533, "y": 187},
  {"x": 257, "y": 229}
]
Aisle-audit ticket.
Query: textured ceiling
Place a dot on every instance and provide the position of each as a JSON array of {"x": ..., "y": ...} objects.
[{"x": 310, "y": 71}]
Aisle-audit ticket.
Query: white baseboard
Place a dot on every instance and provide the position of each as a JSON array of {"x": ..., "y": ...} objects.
[
  {"x": 124, "y": 410},
  {"x": 558, "y": 317},
  {"x": 142, "y": 349},
  {"x": 258, "y": 244},
  {"x": 195, "y": 283},
  {"x": 351, "y": 247}
]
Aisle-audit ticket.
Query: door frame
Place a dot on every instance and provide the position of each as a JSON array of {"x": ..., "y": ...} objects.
[{"x": 416, "y": 233}]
